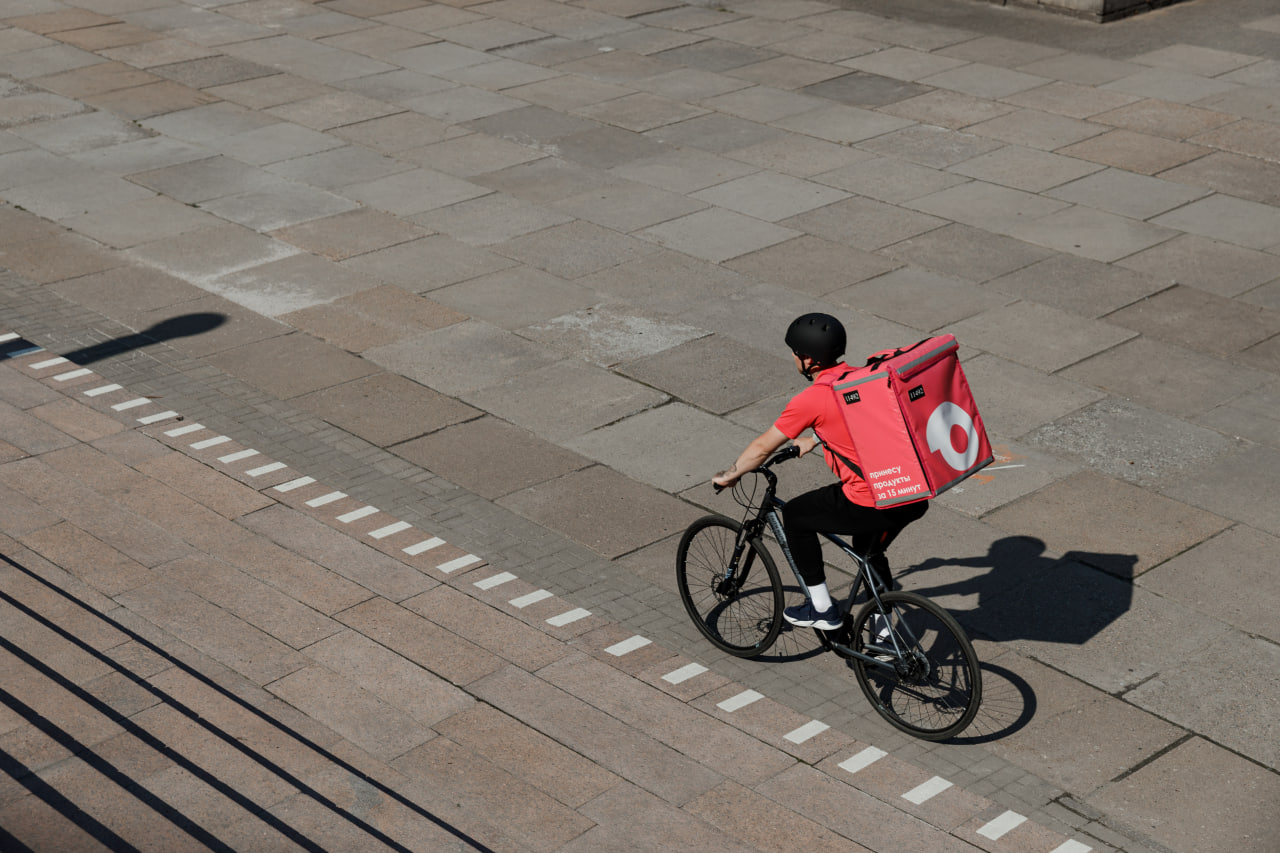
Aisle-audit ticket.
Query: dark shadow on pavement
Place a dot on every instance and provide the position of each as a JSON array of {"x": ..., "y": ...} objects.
[
  {"x": 1008, "y": 704},
  {"x": 183, "y": 326},
  {"x": 1029, "y": 596}
]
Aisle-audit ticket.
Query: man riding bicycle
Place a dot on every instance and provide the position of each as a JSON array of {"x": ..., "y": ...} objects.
[{"x": 817, "y": 343}]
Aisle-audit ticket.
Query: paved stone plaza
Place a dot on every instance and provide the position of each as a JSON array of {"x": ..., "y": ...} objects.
[{"x": 362, "y": 361}]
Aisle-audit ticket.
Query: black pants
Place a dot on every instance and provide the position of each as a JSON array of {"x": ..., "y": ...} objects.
[{"x": 829, "y": 511}]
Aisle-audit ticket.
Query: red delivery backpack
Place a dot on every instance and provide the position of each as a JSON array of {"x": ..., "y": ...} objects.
[{"x": 913, "y": 420}]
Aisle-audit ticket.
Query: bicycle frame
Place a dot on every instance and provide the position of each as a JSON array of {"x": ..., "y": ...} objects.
[{"x": 768, "y": 514}]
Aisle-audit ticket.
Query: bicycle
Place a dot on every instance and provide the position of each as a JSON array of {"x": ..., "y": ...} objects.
[{"x": 911, "y": 658}]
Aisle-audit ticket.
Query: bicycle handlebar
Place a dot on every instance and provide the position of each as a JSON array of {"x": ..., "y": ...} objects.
[{"x": 789, "y": 452}]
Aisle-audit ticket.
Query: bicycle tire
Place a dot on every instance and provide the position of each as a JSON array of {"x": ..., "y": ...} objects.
[
  {"x": 736, "y": 617},
  {"x": 934, "y": 691}
]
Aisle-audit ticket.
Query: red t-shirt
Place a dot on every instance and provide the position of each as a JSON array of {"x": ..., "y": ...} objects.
[{"x": 815, "y": 408}]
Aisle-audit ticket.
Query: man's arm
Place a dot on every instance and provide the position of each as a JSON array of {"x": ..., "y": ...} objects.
[{"x": 758, "y": 451}]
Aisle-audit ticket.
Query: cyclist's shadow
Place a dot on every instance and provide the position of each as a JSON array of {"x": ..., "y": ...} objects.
[{"x": 1029, "y": 596}]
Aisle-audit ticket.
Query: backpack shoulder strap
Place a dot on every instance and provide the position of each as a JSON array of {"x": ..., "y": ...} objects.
[{"x": 837, "y": 454}]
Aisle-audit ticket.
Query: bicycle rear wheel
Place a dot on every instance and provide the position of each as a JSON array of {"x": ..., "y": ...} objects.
[
  {"x": 934, "y": 687},
  {"x": 740, "y": 612}
]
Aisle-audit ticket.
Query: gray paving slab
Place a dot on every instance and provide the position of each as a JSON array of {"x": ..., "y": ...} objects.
[
  {"x": 919, "y": 298},
  {"x": 1169, "y": 107}
]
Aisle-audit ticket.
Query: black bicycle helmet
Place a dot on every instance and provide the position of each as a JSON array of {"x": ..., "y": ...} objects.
[{"x": 820, "y": 337}]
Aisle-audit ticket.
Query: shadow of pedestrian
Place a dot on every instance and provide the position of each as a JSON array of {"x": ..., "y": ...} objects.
[
  {"x": 186, "y": 325},
  {"x": 1027, "y": 595}
]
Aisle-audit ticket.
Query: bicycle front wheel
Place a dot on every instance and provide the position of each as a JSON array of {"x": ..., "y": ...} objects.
[
  {"x": 932, "y": 686},
  {"x": 739, "y": 611}
]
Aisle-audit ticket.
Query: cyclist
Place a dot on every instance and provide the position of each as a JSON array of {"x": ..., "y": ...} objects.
[{"x": 817, "y": 343}]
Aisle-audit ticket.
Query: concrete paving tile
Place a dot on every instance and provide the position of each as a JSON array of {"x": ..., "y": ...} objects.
[
  {"x": 1038, "y": 336},
  {"x": 494, "y": 218},
  {"x": 609, "y": 334},
  {"x": 492, "y": 627},
  {"x": 1071, "y": 99},
  {"x": 213, "y": 631},
  {"x": 695, "y": 372},
  {"x": 426, "y": 264},
  {"x": 1242, "y": 177},
  {"x": 392, "y": 678},
  {"x": 335, "y": 550},
  {"x": 296, "y": 576},
  {"x": 811, "y": 265},
  {"x": 547, "y": 180},
  {"x": 627, "y": 206},
  {"x": 845, "y": 125},
  {"x": 1209, "y": 265},
  {"x": 639, "y": 112},
  {"x": 290, "y": 284},
  {"x": 601, "y": 738},
  {"x": 499, "y": 75},
  {"x": 1248, "y": 137},
  {"x": 560, "y": 505},
  {"x": 901, "y": 63},
  {"x": 462, "y": 104},
  {"x": 567, "y": 92},
  {"x": 864, "y": 223},
  {"x": 441, "y": 359},
  {"x": 677, "y": 469},
  {"x": 464, "y": 455},
  {"x": 833, "y": 803},
  {"x": 215, "y": 491},
  {"x": 185, "y": 327},
  {"x": 491, "y": 805},
  {"x": 372, "y": 318},
  {"x": 805, "y": 75},
  {"x": 983, "y": 81},
  {"x": 1036, "y": 129},
  {"x": 718, "y": 747},
  {"x": 1128, "y": 442},
  {"x": 942, "y": 108},
  {"x": 1164, "y": 118},
  {"x": 138, "y": 538},
  {"x": 1124, "y": 193},
  {"x": 1025, "y": 168},
  {"x": 438, "y": 649},
  {"x": 986, "y": 206},
  {"x": 717, "y": 235},
  {"x": 1199, "y": 321},
  {"x": 77, "y": 133},
  {"x": 1177, "y": 86},
  {"x": 967, "y": 252},
  {"x": 471, "y": 154},
  {"x": 1194, "y": 59},
  {"x": 770, "y": 196},
  {"x": 1155, "y": 799},
  {"x": 278, "y": 205},
  {"x": 576, "y": 248},
  {"x": 352, "y": 164},
  {"x": 716, "y": 55},
  {"x": 528, "y": 755},
  {"x": 31, "y": 434},
  {"x": 800, "y": 155},
  {"x": 1221, "y": 487},
  {"x": 75, "y": 195},
  {"x": 919, "y": 298},
  {"x": 531, "y": 125},
  {"x": 258, "y": 604},
  {"x": 373, "y": 725},
  {"x": 715, "y": 133},
  {"x": 929, "y": 146},
  {"x": 1085, "y": 287},
  {"x": 566, "y": 400},
  {"x": 272, "y": 365},
  {"x": 355, "y": 232},
  {"x": 132, "y": 223},
  {"x": 209, "y": 252},
  {"x": 1134, "y": 152},
  {"x": 149, "y": 100},
  {"x": 413, "y": 191},
  {"x": 1203, "y": 382},
  {"x": 763, "y": 824},
  {"x": 385, "y": 409},
  {"x": 1256, "y": 101},
  {"x": 684, "y": 170},
  {"x": 1000, "y": 50},
  {"x": 889, "y": 179},
  {"x": 271, "y": 144}
]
